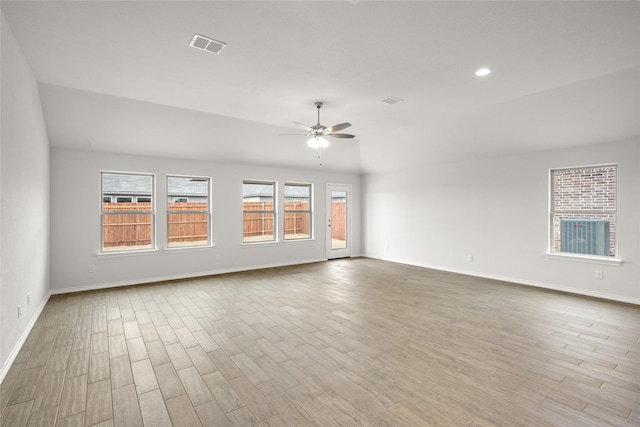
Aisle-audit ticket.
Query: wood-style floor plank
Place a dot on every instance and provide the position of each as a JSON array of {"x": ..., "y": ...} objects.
[
  {"x": 168, "y": 380},
  {"x": 182, "y": 412},
  {"x": 153, "y": 409},
  {"x": 347, "y": 342},
  {"x": 17, "y": 415},
  {"x": 50, "y": 390},
  {"x": 99, "y": 403},
  {"x": 126, "y": 410},
  {"x": 222, "y": 391},
  {"x": 74, "y": 396}
]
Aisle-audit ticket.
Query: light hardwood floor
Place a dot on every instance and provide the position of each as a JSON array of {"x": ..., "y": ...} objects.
[{"x": 342, "y": 343}]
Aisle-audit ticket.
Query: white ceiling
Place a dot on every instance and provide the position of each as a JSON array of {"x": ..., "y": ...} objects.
[{"x": 120, "y": 77}]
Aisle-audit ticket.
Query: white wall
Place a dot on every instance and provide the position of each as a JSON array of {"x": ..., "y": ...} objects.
[
  {"x": 497, "y": 210},
  {"x": 24, "y": 201},
  {"x": 75, "y": 221}
]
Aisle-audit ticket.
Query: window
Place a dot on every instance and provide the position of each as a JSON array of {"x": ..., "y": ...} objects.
[
  {"x": 258, "y": 211},
  {"x": 127, "y": 226},
  {"x": 297, "y": 211},
  {"x": 583, "y": 210},
  {"x": 188, "y": 211}
]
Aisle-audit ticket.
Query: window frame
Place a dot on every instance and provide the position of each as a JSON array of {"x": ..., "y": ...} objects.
[
  {"x": 307, "y": 211},
  {"x": 172, "y": 199},
  {"x": 273, "y": 211},
  {"x": 104, "y": 212},
  {"x": 553, "y": 211}
]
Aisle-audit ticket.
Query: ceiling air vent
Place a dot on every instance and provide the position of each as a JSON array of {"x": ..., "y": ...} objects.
[
  {"x": 391, "y": 100},
  {"x": 205, "y": 43}
]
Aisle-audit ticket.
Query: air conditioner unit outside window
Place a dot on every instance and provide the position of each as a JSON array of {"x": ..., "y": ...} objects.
[{"x": 584, "y": 236}]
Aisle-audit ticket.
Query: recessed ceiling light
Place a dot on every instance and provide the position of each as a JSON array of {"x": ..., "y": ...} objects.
[{"x": 483, "y": 72}]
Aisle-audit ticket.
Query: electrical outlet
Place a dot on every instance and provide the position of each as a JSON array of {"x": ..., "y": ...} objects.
[
  {"x": 92, "y": 268},
  {"x": 470, "y": 258},
  {"x": 218, "y": 257},
  {"x": 599, "y": 275},
  {"x": 28, "y": 298}
]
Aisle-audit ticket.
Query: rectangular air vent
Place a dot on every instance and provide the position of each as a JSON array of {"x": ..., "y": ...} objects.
[
  {"x": 205, "y": 43},
  {"x": 391, "y": 100}
]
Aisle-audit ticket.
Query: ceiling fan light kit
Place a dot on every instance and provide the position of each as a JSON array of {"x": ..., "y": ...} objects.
[{"x": 318, "y": 142}]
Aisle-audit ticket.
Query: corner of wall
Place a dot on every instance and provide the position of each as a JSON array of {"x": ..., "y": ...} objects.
[
  {"x": 6, "y": 365},
  {"x": 24, "y": 200}
]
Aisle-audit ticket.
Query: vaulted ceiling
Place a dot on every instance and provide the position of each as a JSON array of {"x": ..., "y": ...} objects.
[{"x": 121, "y": 77}]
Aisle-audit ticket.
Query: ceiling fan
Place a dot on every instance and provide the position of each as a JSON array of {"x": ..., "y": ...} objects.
[{"x": 318, "y": 132}]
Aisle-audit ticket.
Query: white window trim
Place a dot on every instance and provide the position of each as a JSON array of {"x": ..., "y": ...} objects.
[
  {"x": 276, "y": 227},
  {"x": 586, "y": 258},
  {"x": 117, "y": 254},
  {"x": 209, "y": 244},
  {"x": 310, "y": 211},
  {"x": 154, "y": 249},
  {"x": 174, "y": 249},
  {"x": 590, "y": 259}
]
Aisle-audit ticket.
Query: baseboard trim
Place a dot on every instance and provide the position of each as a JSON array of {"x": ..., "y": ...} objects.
[
  {"x": 99, "y": 286},
  {"x": 18, "y": 346},
  {"x": 549, "y": 286}
]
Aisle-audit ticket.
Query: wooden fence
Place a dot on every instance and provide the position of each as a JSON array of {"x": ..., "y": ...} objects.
[
  {"x": 135, "y": 228},
  {"x": 188, "y": 226},
  {"x": 127, "y": 229},
  {"x": 261, "y": 223},
  {"x": 258, "y": 223},
  {"x": 338, "y": 221}
]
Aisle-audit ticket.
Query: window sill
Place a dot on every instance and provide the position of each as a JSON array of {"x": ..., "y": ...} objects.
[
  {"x": 299, "y": 240},
  {"x": 116, "y": 254},
  {"x": 268, "y": 243},
  {"x": 179, "y": 249},
  {"x": 586, "y": 259}
]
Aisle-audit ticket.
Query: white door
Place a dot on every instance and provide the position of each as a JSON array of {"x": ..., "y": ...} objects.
[{"x": 338, "y": 221}]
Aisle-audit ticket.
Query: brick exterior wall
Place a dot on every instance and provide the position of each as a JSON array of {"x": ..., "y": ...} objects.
[{"x": 584, "y": 189}]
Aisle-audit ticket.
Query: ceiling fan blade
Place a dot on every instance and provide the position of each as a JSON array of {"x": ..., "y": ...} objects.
[
  {"x": 341, "y": 135},
  {"x": 305, "y": 127},
  {"x": 339, "y": 127}
]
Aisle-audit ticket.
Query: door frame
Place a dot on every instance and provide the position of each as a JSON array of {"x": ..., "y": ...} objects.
[{"x": 337, "y": 253}]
